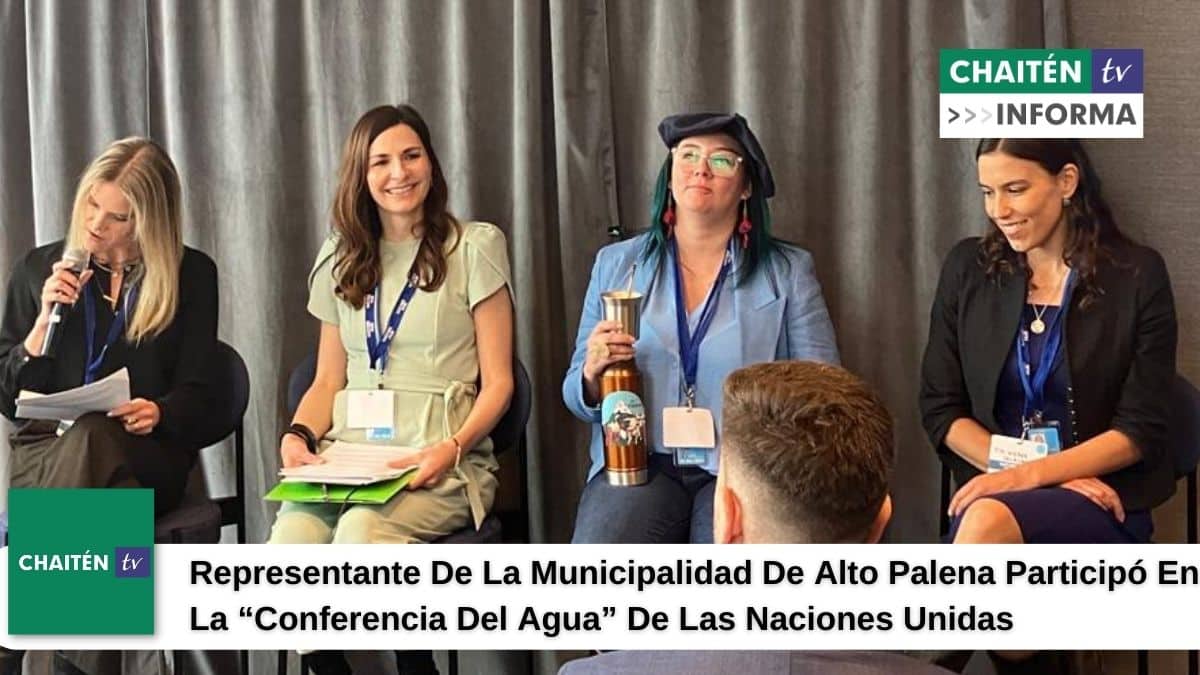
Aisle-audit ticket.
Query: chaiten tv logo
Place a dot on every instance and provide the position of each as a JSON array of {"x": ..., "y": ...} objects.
[
  {"x": 81, "y": 562},
  {"x": 1040, "y": 93}
]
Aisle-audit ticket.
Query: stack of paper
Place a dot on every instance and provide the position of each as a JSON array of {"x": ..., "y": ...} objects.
[
  {"x": 99, "y": 396},
  {"x": 351, "y": 464}
]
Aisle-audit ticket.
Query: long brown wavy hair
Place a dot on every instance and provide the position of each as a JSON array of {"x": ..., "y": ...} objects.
[
  {"x": 357, "y": 265},
  {"x": 1092, "y": 231}
]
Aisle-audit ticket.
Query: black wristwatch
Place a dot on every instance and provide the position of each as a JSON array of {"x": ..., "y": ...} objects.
[{"x": 305, "y": 434}]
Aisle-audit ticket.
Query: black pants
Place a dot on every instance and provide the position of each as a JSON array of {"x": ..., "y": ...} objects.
[
  {"x": 97, "y": 452},
  {"x": 407, "y": 663}
]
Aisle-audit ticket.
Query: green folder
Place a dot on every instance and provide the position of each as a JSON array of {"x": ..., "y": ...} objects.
[{"x": 322, "y": 493}]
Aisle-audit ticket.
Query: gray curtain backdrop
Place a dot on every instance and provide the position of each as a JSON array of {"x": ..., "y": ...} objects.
[{"x": 544, "y": 115}]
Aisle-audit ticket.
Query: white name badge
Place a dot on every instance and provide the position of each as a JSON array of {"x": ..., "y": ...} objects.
[
  {"x": 1006, "y": 452},
  {"x": 373, "y": 410},
  {"x": 688, "y": 428}
]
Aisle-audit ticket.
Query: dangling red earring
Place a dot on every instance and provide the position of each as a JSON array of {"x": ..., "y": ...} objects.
[
  {"x": 745, "y": 225},
  {"x": 668, "y": 216}
]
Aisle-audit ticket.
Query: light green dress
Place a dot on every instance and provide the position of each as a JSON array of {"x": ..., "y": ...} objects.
[{"x": 432, "y": 368}]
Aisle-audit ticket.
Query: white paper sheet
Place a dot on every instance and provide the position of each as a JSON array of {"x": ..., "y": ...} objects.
[
  {"x": 99, "y": 396},
  {"x": 351, "y": 464}
]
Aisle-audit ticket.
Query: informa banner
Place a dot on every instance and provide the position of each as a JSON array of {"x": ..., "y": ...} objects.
[
  {"x": 1040, "y": 93},
  {"x": 579, "y": 597}
]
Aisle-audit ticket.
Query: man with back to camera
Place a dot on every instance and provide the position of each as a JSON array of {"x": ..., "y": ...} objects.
[{"x": 806, "y": 452}]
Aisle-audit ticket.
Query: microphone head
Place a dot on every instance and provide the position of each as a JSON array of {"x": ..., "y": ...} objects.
[{"x": 79, "y": 259}]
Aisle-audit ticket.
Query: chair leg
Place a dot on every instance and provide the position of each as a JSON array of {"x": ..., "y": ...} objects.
[
  {"x": 239, "y": 445},
  {"x": 177, "y": 663},
  {"x": 1143, "y": 662},
  {"x": 523, "y": 511},
  {"x": 1193, "y": 662},
  {"x": 944, "y": 503},
  {"x": 11, "y": 661},
  {"x": 1193, "y": 533},
  {"x": 452, "y": 659},
  {"x": 282, "y": 662}
]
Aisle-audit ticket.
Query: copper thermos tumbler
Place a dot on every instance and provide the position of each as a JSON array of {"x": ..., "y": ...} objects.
[{"x": 622, "y": 413}]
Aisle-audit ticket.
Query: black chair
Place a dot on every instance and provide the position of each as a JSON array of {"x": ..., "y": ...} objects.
[
  {"x": 946, "y": 483},
  {"x": 199, "y": 518},
  {"x": 1184, "y": 446},
  {"x": 507, "y": 436}
]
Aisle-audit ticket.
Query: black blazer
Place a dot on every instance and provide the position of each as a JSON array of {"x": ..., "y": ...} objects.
[
  {"x": 173, "y": 368},
  {"x": 1120, "y": 351}
]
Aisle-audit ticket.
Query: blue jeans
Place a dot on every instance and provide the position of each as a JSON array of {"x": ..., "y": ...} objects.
[{"x": 675, "y": 506}]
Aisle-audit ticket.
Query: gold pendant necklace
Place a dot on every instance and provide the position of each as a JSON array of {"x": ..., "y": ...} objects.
[
  {"x": 111, "y": 300},
  {"x": 1037, "y": 326}
]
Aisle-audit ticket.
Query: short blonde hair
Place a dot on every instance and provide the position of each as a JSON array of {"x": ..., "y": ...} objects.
[{"x": 145, "y": 175}]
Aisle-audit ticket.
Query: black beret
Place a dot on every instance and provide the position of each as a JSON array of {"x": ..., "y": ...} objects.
[{"x": 675, "y": 128}]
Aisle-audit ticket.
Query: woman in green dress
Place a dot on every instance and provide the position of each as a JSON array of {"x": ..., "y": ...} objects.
[{"x": 416, "y": 342}]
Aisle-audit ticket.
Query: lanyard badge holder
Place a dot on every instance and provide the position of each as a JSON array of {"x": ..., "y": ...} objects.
[
  {"x": 690, "y": 430},
  {"x": 96, "y": 359},
  {"x": 120, "y": 318},
  {"x": 1034, "y": 426},
  {"x": 374, "y": 409},
  {"x": 1039, "y": 436}
]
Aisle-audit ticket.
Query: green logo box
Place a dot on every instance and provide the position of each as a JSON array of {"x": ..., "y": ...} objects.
[
  {"x": 65, "y": 573},
  {"x": 1015, "y": 71}
]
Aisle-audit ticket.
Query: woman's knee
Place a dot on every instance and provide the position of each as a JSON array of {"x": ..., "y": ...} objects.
[
  {"x": 298, "y": 527},
  {"x": 657, "y": 512},
  {"x": 359, "y": 525},
  {"x": 92, "y": 427},
  {"x": 988, "y": 520}
]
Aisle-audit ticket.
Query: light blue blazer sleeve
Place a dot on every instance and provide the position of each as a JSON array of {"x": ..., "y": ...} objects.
[{"x": 807, "y": 326}]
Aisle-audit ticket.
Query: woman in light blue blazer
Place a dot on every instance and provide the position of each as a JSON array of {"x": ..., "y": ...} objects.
[{"x": 713, "y": 279}]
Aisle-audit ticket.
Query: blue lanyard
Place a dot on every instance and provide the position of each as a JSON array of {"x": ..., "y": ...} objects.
[
  {"x": 94, "y": 360},
  {"x": 378, "y": 340},
  {"x": 689, "y": 343},
  {"x": 1034, "y": 383}
]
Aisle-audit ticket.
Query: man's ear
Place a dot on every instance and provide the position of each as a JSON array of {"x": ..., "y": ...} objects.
[
  {"x": 881, "y": 520},
  {"x": 727, "y": 513}
]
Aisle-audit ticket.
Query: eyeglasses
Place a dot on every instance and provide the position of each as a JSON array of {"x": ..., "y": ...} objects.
[{"x": 722, "y": 162}]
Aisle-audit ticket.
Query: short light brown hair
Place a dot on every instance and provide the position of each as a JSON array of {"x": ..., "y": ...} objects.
[{"x": 812, "y": 444}]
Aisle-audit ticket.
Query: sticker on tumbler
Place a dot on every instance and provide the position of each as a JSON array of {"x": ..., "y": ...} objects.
[{"x": 624, "y": 418}]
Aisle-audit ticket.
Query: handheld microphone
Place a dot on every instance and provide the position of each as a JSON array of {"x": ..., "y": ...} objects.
[{"x": 78, "y": 259}]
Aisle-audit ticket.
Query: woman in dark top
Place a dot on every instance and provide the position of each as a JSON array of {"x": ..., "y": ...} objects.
[
  {"x": 1054, "y": 324},
  {"x": 151, "y": 306}
]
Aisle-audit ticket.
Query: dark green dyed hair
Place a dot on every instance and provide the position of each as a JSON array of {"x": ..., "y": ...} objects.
[{"x": 761, "y": 244}]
